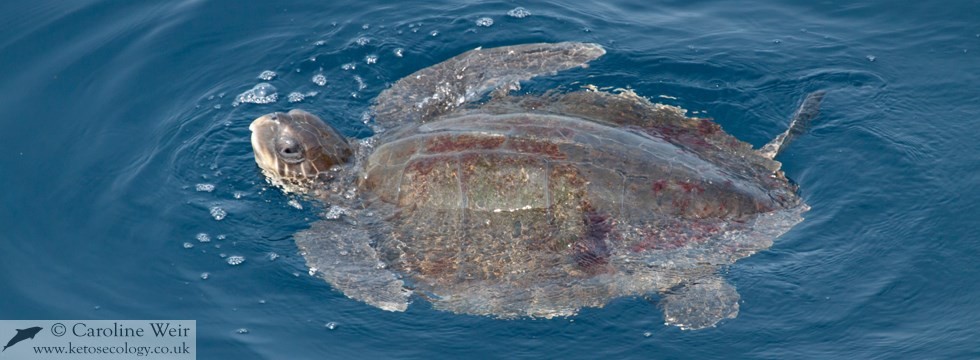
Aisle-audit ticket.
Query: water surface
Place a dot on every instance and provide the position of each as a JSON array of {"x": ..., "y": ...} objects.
[{"x": 120, "y": 116}]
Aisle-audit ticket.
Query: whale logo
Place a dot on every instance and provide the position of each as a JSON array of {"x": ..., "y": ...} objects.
[{"x": 22, "y": 334}]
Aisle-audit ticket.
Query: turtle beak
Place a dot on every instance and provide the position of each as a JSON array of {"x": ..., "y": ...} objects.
[{"x": 263, "y": 134}]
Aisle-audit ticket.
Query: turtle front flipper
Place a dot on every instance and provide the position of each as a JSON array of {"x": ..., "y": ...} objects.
[
  {"x": 341, "y": 253},
  {"x": 700, "y": 304},
  {"x": 443, "y": 87}
]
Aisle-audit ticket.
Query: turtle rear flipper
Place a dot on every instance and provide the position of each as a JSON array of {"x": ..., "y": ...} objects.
[
  {"x": 441, "y": 88},
  {"x": 341, "y": 253},
  {"x": 700, "y": 304},
  {"x": 800, "y": 124}
]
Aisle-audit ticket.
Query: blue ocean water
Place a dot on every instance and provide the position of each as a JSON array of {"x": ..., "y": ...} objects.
[{"x": 119, "y": 117}]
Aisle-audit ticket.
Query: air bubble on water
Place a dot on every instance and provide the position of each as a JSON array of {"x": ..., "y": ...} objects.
[
  {"x": 221, "y": 237},
  {"x": 267, "y": 75},
  {"x": 366, "y": 26},
  {"x": 205, "y": 276},
  {"x": 647, "y": 334},
  {"x": 777, "y": 41},
  {"x": 295, "y": 97},
  {"x": 242, "y": 331},
  {"x": 272, "y": 256},
  {"x": 399, "y": 52},
  {"x": 261, "y": 301},
  {"x": 371, "y": 59},
  {"x": 204, "y": 187},
  {"x": 235, "y": 260},
  {"x": 871, "y": 58},
  {"x": 238, "y": 194},
  {"x": 349, "y": 66},
  {"x": 434, "y": 33},
  {"x": 188, "y": 245},
  {"x": 319, "y": 79},
  {"x": 319, "y": 43},
  {"x": 262, "y": 93},
  {"x": 203, "y": 237},
  {"x": 312, "y": 271},
  {"x": 295, "y": 204},
  {"x": 331, "y": 325},
  {"x": 218, "y": 213},
  {"x": 484, "y": 21},
  {"x": 519, "y": 13},
  {"x": 361, "y": 41}
]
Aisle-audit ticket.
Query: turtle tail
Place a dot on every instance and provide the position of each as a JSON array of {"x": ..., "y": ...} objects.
[{"x": 800, "y": 124}]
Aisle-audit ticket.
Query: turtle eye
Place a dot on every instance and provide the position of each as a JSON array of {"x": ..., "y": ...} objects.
[{"x": 290, "y": 150}]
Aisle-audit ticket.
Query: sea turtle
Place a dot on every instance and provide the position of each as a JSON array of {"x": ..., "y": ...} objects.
[{"x": 530, "y": 205}]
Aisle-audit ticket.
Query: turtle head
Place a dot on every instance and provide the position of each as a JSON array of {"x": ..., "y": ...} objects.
[{"x": 296, "y": 150}]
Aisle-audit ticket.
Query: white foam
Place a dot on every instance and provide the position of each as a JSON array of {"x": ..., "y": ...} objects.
[
  {"x": 235, "y": 260},
  {"x": 261, "y": 93},
  {"x": 218, "y": 213},
  {"x": 268, "y": 75},
  {"x": 519, "y": 13},
  {"x": 484, "y": 21},
  {"x": 319, "y": 79},
  {"x": 360, "y": 83},
  {"x": 295, "y": 97}
]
